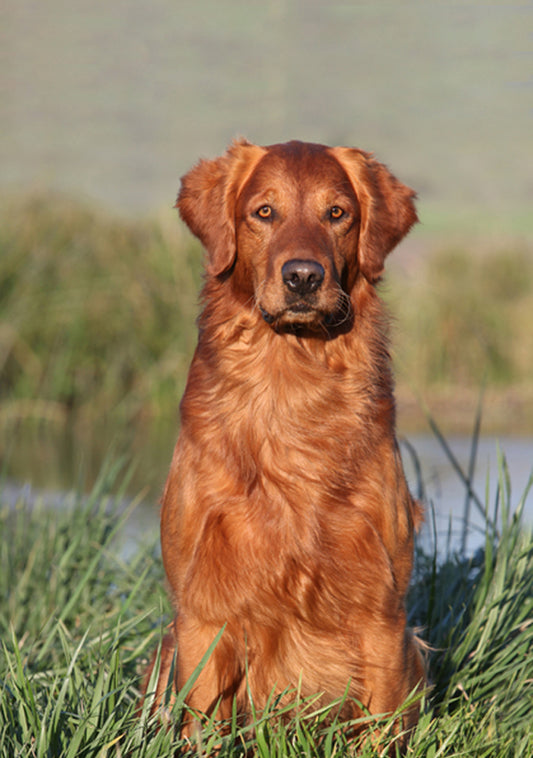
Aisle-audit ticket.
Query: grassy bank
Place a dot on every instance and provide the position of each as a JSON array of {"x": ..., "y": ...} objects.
[
  {"x": 462, "y": 328},
  {"x": 78, "y": 619},
  {"x": 97, "y": 317},
  {"x": 96, "y": 314}
]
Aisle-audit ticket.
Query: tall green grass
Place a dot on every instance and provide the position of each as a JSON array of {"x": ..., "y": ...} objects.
[
  {"x": 77, "y": 620},
  {"x": 464, "y": 318},
  {"x": 97, "y": 314}
]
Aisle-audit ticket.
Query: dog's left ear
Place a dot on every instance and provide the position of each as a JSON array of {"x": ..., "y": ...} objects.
[
  {"x": 387, "y": 208},
  {"x": 207, "y": 201}
]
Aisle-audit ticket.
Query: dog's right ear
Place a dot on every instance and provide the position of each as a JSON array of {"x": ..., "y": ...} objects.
[{"x": 207, "y": 200}]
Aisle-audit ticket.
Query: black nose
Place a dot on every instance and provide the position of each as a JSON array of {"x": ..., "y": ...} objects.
[{"x": 302, "y": 276}]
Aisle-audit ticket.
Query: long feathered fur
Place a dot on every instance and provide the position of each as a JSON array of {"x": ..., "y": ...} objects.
[{"x": 286, "y": 515}]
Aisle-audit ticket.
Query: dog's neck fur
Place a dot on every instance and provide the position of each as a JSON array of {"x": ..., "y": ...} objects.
[
  {"x": 269, "y": 408},
  {"x": 284, "y": 394}
]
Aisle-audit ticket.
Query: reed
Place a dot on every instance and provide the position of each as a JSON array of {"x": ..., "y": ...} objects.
[
  {"x": 463, "y": 318},
  {"x": 78, "y": 619},
  {"x": 97, "y": 314}
]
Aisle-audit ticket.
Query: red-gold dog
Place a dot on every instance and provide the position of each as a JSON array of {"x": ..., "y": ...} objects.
[{"x": 286, "y": 515}]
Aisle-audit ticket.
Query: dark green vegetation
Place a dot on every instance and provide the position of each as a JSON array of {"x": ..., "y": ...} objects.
[
  {"x": 97, "y": 314},
  {"x": 78, "y": 620}
]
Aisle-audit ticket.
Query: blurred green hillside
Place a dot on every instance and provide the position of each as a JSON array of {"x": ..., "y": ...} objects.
[{"x": 115, "y": 101}]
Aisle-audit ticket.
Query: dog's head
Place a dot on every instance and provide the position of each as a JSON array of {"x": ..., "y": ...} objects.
[{"x": 295, "y": 224}]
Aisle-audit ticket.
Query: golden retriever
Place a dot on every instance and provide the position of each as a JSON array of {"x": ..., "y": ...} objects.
[{"x": 286, "y": 517}]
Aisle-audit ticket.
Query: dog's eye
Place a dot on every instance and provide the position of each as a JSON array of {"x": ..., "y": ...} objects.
[
  {"x": 335, "y": 213},
  {"x": 265, "y": 211}
]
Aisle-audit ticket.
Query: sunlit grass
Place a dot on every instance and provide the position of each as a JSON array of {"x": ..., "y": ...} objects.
[{"x": 78, "y": 620}]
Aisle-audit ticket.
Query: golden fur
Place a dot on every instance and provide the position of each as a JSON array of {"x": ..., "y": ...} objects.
[{"x": 286, "y": 515}]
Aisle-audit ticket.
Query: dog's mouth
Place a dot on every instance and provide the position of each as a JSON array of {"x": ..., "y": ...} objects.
[
  {"x": 302, "y": 315},
  {"x": 294, "y": 314},
  {"x": 301, "y": 308}
]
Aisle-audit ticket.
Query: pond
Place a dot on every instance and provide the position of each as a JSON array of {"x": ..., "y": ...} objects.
[
  {"x": 51, "y": 465},
  {"x": 502, "y": 464}
]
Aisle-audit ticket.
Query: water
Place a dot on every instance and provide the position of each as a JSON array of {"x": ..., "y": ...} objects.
[
  {"x": 49, "y": 465},
  {"x": 445, "y": 493}
]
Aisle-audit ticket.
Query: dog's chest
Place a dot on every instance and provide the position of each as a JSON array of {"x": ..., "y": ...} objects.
[{"x": 285, "y": 415}]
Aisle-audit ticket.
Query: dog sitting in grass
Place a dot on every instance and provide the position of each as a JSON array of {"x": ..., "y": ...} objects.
[{"x": 286, "y": 518}]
